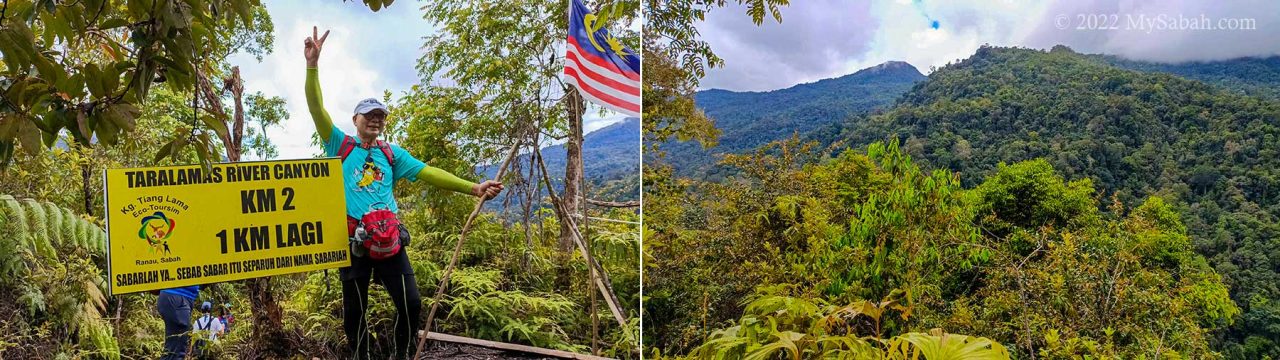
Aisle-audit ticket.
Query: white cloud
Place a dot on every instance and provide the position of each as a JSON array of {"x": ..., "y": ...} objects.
[
  {"x": 962, "y": 28},
  {"x": 364, "y": 54},
  {"x": 1137, "y": 36},
  {"x": 760, "y": 58}
]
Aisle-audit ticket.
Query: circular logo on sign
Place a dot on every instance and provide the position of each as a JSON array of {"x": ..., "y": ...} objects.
[{"x": 156, "y": 229}]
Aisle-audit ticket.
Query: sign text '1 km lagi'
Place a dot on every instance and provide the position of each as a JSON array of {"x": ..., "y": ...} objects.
[{"x": 184, "y": 225}]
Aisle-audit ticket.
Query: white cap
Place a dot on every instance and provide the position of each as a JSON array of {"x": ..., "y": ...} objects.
[{"x": 370, "y": 104}]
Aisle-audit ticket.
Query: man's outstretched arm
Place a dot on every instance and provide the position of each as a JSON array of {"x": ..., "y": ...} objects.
[
  {"x": 315, "y": 102},
  {"x": 445, "y": 180}
]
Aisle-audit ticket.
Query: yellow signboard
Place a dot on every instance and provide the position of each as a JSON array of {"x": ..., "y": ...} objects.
[{"x": 182, "y": 225}]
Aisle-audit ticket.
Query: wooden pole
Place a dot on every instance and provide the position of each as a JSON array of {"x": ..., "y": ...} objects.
[
  {"x": 457, "y": 249},
  {"x": 586, "y": 228},
  {"x": 602, "y": 281}
]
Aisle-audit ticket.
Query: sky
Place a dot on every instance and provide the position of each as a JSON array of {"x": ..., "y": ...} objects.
[
  {"x": 366, "y": 53},
  {"x": 820, "y": 39}
]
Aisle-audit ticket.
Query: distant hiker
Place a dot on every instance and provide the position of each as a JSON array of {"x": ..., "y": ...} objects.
[
  {"x": 370, "y": 168},
  {"x": 174, "y": 306},
  {"x": 225, "y": 316},
  {"x": 206, "y": 327}
]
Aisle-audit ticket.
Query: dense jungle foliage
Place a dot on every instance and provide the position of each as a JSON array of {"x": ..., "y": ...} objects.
[
  {"x": 1025, "y": 258},
  {"x": 1209, "y": 150}
]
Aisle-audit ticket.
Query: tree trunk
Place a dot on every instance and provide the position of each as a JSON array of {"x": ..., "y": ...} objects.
[
  {"x": 88, "y": 193},
  {"x": 573, "y": 167},
  {"x": 268, "y": 316}
]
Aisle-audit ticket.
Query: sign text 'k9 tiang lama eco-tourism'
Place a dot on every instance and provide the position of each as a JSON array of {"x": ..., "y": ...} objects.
[{"x": 187, "y": 225}]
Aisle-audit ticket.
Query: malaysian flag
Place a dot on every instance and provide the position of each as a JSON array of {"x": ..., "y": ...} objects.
[{"x": 602, "y": 69}]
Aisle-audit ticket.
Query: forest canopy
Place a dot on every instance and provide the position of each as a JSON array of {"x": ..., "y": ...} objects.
[{"x": 1025, "y": 258}]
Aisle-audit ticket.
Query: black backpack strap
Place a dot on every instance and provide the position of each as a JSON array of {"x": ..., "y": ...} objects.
[{"x": 348, "y": 144}]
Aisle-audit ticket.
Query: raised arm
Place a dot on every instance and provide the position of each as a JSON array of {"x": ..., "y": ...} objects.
[
  {"x": 315, "y": 102},
  {"x": 445, "y": 180}
]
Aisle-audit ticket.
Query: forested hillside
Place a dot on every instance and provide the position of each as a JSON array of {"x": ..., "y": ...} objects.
[
  {"x": 748, "y": 120},
  {"x": 1212, "y": 152},
  {"x": 611, "y": 161},
  {"x": 1078, "y": 180},
  {"x": 1250, "y": 76},
  {"x": 808, "y": 250}
]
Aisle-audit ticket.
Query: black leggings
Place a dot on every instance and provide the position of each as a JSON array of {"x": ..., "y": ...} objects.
[{"x": 403, "y": 289}]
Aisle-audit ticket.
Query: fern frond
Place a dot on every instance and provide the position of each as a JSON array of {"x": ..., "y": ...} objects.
[
  {"x": 17, "y": 226},
  {"x": 53, "y": 224},
  {"x": 38, "y": 224}
]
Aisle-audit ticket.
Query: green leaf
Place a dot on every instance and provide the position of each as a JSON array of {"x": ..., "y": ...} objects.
[
  {"x": 242, "y": 8},
  {"x": 217, "y": 125},
  {"x": 172, "y": 67},
  {"x": 181, "y": 140},
  {"x": 49, "y": 138},
  {"x": 111, "y": 77},
  {"x": 9, "y": 125},
  {"x": 113, "y": 23},
  {"x": 165, "y": 151},
  {"x": 18, "y": 45},
  {"x": 73, "y": 85},
  {"x": 50, "y": 71},
  {"x": 93, "y": 79},
  {"x": 202, "y": 151},
  {"x": 144, "y": 87},
  {"x": 123, "y": 115},
  {"x": 29, "y": 137},
  {"x": 106, "y": 130}
]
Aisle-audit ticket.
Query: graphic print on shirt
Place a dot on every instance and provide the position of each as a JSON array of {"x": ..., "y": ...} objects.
[{"x": 370, "y": 176}]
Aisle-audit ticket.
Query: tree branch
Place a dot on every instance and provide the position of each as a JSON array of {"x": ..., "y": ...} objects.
[{"x": 613, "y": 204}]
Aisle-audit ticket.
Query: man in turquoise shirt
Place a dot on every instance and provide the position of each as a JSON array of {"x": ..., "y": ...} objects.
[{"x": 369, "y": 178}]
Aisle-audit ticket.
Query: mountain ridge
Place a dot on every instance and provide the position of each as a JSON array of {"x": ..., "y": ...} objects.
[
  {"x": 610, "y": 154},
  {"x": 751, "y": 119}
]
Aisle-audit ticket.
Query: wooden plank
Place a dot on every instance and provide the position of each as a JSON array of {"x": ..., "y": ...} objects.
[{"x": 509, "y": 347}]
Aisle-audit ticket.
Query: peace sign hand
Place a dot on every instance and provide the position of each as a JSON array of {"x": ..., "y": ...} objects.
[{"x": 313, "y": 45}]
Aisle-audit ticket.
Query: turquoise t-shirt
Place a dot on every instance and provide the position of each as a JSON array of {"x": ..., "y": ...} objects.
[{"x": 367, "y": 185}]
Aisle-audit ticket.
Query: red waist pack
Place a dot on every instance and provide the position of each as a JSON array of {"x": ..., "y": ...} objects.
[{"x": 378, "y": 232}]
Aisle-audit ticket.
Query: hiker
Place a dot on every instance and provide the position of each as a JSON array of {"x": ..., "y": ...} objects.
[
  {"x": 174, "y": 306},
  {"x": 225, "y": 316},
  {"x": 370, "y": 168},
  {"x": 206, "y": 326}
]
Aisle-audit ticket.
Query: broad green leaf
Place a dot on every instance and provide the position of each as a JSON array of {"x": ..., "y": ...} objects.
[
  {"x": 93, "y": 79},
  {"x": 106, "y": 129},
  {"x": 122, "y": 115},
  {"x": 9, "y": 125},
  {"x": 217, "y": 125},
  {"x": 113, "y": 23},
  {"x": 29, "y": 137},
  {"x": 165, "y": 151}
]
